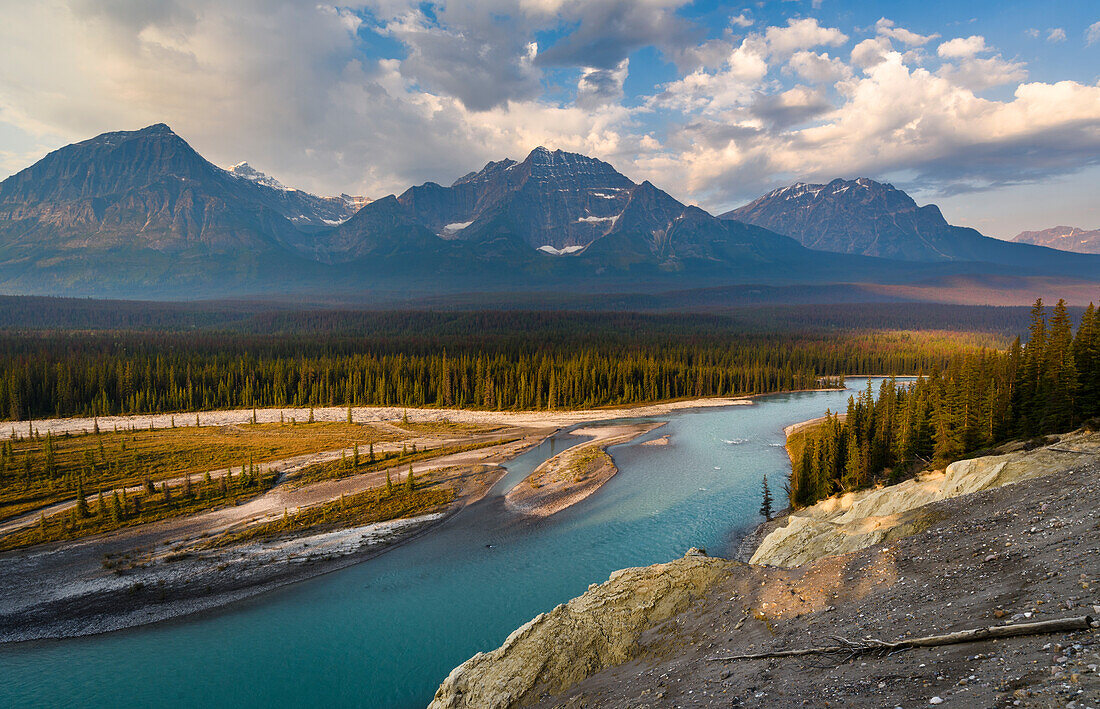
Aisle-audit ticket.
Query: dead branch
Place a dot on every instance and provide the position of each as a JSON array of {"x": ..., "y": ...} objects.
[{"x": 871, "y": 645}]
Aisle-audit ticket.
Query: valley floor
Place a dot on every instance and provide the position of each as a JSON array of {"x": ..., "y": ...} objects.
[{"x": 166, "y": 569}]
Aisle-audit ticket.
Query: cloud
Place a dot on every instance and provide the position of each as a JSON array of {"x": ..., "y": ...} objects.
[
  {"x": 1092, "y": 34},
  {"x": 742, "y": 20},
  {"x": 1056, "y": 34},
  {"x": 372, "y": 98},
  {"x": 483, "y": 64},
  {"x": 799, "y": 34},
  {"x": 978, "y": 73},
  {"x": 599, "y": 87},
  {"x": 790, "y": 108},
  {"x": 887, "y": 28},
  {"x": 870, "y": 52},
  {"x": 962, "y": 47},
  {"x": 818, "y": 68},
  {"x": 607, "y": 31}
]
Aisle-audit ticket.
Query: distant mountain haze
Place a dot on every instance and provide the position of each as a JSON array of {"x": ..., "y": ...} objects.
[
  {"x": 140, "y": 213},
  {"x": 875, "y": 219},
  {"x": 1066, "y": 238}
]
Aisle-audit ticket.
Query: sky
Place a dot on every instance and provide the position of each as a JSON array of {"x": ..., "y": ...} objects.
[{"x": 990, "y": 109}]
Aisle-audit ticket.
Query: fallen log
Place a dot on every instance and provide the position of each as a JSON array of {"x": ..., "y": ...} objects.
[{"x": 862, "y": 647}]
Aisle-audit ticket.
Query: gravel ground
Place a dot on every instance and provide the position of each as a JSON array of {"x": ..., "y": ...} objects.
[{"x": 1020, "y": 553}]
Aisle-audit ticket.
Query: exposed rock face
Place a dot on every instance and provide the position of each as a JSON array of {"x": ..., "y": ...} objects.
[
  {"x": 1065, "y": 238},
  {"x": 594, "y": 631},
  {"x": 858, "y": 520},
  {"x": 866, "y": 217},
  {"x": 150, "y": 189},
  {"x": 552, "y": 198}
]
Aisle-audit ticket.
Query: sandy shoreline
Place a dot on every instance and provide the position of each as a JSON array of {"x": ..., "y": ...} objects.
[{"x": 364, "y": 414}]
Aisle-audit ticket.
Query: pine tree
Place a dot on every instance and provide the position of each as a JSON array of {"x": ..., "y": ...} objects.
[
  {"x": 766, "y": 503},
  {"x": 1060, "y": 374},
  {"x": 81, "y": 501},
  {"x": 116, "y": 507},
  {"x": 389, "y": 484},
  {"x": 410, "y": 482}
]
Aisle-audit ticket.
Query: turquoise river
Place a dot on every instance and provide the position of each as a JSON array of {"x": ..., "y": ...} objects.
[{"x": 385, "y": 632}]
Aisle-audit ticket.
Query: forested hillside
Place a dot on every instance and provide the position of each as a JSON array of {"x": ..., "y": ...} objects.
[
  {"x": 1050, "y": 384},
  {"x": 473, "y": 360}
]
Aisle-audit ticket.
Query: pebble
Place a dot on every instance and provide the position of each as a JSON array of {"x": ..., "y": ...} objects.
[{"x": 935, "y": 700}]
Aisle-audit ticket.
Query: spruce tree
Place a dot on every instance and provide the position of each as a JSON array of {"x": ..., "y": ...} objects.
[
  {"x": 410, "y": 482},
  {"x": 766, "y": 503},
  {"x": 1060, "y": 374},
  {"x": 81, "y": 501}
]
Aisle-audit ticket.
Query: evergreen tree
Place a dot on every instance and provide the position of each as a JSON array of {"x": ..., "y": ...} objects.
[
  {"x": 81, "y": 501},
  {"x": 410, "y": 482},
  {"x": 766, "y": 503}
]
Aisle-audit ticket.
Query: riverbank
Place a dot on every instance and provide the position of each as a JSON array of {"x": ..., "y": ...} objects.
[
  {"x": 366, "y": 414},
  {"x": 1022, "y": 551},
  {"x": 575, "y": 473},
  {"x": 167, "y": 569},
  {"x": 157, "y": 571}
]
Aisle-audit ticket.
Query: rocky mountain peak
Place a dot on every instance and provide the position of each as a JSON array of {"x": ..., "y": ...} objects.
[
  {"x": 852, "y": 216},
  {"x": 247, "y": 172}
]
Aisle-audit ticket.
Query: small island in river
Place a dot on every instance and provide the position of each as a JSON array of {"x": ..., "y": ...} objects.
[{"x": 575, "y": 473}]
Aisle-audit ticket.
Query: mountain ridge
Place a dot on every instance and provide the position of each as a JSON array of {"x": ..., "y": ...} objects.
[
  {"x": 1064, "y": 238},
  {"x": 141, "y": 212}
]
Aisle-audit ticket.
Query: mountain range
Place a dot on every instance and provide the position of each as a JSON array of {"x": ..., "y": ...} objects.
[
  {"x": 142, "y": 214},
  {"x": 1066, "y": 238}
]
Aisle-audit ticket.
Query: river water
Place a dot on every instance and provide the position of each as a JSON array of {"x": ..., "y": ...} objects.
[{"x": 385, "y": 632}]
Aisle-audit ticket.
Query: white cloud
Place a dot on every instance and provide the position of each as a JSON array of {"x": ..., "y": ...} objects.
[
  {"x": 1056, "y": 34},
  {"x": 818, "y": 68},
  {"x": 870, "y": 52},
  {"x": 742, "y": 20},
  {"x": 1092, "y": 34},
  {"x": 961, "y": 47},
  {"x": 887, "y": 28},
  {"x": 805, "y": 33},
  {"x": 979, "y": 73}
]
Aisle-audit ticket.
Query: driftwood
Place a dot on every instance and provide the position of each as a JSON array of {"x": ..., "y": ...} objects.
[{"x": 854, "y": 648}]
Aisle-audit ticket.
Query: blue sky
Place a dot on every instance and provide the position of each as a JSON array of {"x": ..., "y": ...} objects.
[{"x": 990, "y": 109}]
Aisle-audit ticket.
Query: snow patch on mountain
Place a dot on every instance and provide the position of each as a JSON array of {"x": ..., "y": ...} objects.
[
  {"x": 455, "y": 227},
  {"x": 547, "y": 248}
]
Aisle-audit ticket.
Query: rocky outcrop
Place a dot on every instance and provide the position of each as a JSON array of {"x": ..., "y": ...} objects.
[
  {"x": 596, "y": 630},
  {"x": 857, "y": 520}
]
